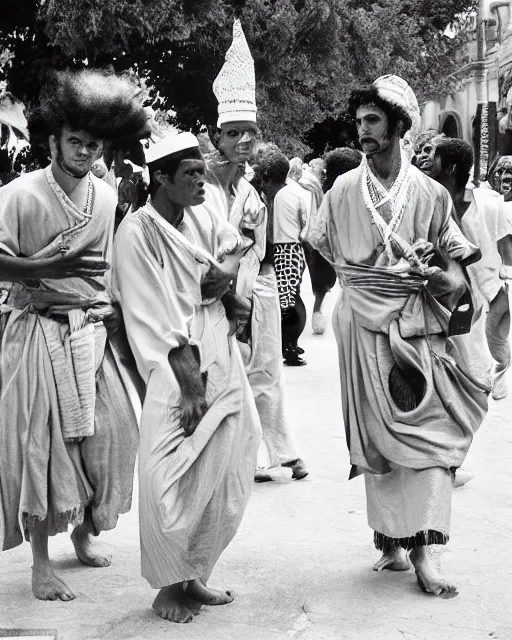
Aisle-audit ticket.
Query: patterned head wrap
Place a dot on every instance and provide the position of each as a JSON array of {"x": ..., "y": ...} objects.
[{"x": 396, "y": 91}]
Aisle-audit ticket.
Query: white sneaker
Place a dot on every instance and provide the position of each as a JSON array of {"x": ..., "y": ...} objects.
[
  {"x": 319, "y": 323},
  {"x": 462, "y": 477}
]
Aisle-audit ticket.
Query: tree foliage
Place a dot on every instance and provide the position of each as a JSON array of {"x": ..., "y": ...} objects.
[{"x": 309, "y": 54}]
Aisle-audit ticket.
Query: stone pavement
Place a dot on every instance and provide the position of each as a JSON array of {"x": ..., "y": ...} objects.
[{"x": 301, "y": 563}]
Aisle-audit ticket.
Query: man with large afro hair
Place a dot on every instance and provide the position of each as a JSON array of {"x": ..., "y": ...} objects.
[
  {"x": 107, "y": 105},
  {"x": 69, "y": 434}
]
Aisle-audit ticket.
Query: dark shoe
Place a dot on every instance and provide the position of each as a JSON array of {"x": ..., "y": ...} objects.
[
  {"x": 298, "y": 468},
  {"x": 294, "y": 361},
  {"x": 262, "y": 475}
]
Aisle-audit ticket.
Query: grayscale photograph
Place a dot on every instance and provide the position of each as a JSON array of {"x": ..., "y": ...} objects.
[{"x": 255, "y": 319}]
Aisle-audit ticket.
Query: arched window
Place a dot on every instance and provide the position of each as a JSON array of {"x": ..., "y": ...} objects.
[{"x": 450, "y": 127}]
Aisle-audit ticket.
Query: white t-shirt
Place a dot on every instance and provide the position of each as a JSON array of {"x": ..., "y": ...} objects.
[
  {"x": 484, "y": 223},
  {"x": 292, "y": 204}
]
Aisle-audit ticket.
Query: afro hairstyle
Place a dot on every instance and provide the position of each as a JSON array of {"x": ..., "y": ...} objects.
[
  {"x": 370, "y": 95},
  {"x": 339, "y": 161},
  {"x": 107, "y": 105},
  {"x": 274, "y": 166},
  {"x": 453, "y": 151}
]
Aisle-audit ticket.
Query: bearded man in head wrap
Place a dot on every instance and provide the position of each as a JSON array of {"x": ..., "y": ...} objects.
[
  {"x": 69, "y": 434},
  {"x": 410, "y": 406}
]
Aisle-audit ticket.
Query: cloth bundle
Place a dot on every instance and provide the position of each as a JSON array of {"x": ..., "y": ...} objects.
[{"x": 76, "y": 356}]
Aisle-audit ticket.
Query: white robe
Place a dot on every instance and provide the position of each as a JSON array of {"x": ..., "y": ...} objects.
[
  {"x": 59, "y": 380},
  {"x": 484, "y": 224},
  {"x": 193, "y": 490},
  {"x": 263, "y": 357}
]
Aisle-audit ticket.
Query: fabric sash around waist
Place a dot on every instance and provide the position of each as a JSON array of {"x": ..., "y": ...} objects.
[
  {"x": 57, "y": 304},
  {"x": 75, "y": 338},
  {"x": 377, "y": 296}
]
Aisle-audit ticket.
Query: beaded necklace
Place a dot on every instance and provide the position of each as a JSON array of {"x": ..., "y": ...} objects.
[
  {"x": 375, "y": 195},
  {"x": 70, "y": 207},
  {"x": 66, "y": 202}
]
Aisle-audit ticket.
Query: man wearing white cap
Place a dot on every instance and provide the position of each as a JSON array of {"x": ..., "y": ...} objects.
[
  {"x": 199, "y": 430},
  {"x": 410, "y": 410},
  {"x": 228, "y": 191}
]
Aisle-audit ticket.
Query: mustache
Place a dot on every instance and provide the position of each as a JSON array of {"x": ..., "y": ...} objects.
[{"x": 367, "y": 139}]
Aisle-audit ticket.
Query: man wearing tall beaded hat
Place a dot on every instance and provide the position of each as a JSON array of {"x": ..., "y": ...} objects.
[
  {"x": 229, "y": 191},
  {"x": 199, "y": 429},
  {"x": 68, "y": 436},
  {"x": 410, "y": 407}
]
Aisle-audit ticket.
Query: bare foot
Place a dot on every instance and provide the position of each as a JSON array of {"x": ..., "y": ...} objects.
[
  {"x": 170, "y": 604},
  {"x": 88, "y": 552},
  {"x": 395, "y": 560},
  {"x": 199, "y": 591},
  {"x": 429, "y": 577},
  {"x": 47, "y": 586}
]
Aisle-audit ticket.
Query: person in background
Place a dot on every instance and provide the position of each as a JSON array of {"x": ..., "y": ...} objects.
[
  {"x": 337, "y": 162},
  {"x": 320, "y": 271},
  {"x": 289, "y": 219},
  {"x": 481, "y": 215}
]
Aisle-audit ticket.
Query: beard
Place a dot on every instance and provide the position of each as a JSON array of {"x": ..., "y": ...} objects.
[
  {"x": 71, "y": 171},
  {"x": 377, "y": 146}
]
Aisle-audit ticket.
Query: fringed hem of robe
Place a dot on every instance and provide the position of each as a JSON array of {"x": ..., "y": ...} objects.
[
  {"x": 419, "y": 539},
  {"x": 409, "y": 507}
]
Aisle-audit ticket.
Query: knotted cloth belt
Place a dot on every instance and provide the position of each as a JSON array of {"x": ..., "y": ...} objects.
[
  {"x": 75, "y": 336},
  {"x": 386, "y": 282}
]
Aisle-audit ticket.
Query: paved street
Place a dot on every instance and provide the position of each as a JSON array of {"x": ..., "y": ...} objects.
[{"x": 301, "y": 563}]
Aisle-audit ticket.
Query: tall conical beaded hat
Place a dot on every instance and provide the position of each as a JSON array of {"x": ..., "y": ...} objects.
[{"x": 235, "y": 86}]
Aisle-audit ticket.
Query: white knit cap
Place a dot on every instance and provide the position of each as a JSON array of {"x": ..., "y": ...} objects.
[
  {"x": 171, "y": 144},
  {"x": 235, "y": 86},
  {"x": 395, "y": 90}
]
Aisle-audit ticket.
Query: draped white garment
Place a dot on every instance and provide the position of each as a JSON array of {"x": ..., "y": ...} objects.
[
  {"x": 263, "y": 357},
  {"x": 59, "y": 379},
  {"x": 193, "y": 491}
]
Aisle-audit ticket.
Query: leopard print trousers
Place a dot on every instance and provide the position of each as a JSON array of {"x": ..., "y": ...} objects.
[{"x": 289, "y": 264}]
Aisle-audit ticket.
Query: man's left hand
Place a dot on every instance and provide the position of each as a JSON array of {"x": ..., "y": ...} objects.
[{"x": 228, "y": 246}]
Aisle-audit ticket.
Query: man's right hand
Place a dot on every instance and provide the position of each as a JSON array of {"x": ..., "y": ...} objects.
[
  {"x": 184, "y": 362},
  {"x": 192, "y": 411},
  {"x": 59, "y": 267}
]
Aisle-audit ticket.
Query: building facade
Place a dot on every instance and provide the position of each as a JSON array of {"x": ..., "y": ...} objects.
[{"x": 476, "y": 109}]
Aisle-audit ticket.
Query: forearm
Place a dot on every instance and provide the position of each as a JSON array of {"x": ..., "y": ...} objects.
[
  {"x": 184, "y": 362},
  {"x": 13, "y": 269}
]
